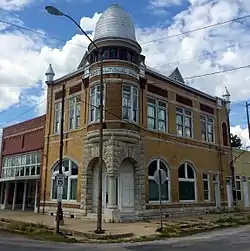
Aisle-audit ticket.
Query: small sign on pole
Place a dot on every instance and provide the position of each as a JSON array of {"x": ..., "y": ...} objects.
[
  {"x": 160, "y": 178},
  {"x": 60, "y": 185}
]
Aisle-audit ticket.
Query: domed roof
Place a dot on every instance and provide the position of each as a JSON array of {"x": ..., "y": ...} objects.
[{"x": 115, "y": 22}]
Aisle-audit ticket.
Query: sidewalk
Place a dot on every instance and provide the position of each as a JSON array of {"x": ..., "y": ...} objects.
[{"x": 138, "y": 228}]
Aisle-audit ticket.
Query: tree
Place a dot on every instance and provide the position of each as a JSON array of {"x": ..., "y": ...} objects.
[{"x": 235, "y": 141}]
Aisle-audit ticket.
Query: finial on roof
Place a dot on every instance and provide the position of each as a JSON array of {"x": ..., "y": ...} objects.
[{"x": 50, "y": 74}]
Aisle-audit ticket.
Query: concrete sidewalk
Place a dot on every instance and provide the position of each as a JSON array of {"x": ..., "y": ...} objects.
[{"x": 138, "y": 228}]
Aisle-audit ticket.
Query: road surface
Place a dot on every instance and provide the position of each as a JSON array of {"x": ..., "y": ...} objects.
[{"x": 224, "y": 240}]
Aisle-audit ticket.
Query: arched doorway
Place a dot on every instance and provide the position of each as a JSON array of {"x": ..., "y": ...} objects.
[
  {"x": 126, "y": 187},
  {"x": 95, "y": 188}
]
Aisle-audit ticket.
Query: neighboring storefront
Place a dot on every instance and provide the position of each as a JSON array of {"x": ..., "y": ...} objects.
[{"x": 22, "y": 151}]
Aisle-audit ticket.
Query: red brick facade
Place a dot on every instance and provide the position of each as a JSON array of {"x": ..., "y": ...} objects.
[{"x": 23, "y": 137}]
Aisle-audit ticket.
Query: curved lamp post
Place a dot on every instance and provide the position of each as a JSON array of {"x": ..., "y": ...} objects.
[{"x": 56, "y": 12}]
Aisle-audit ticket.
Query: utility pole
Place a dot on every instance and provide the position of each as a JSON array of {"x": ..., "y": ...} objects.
[
  {"x": 59, "y": 215},
  {"x": 56, "y": 12},
  {"x": 99, "y": 209}
]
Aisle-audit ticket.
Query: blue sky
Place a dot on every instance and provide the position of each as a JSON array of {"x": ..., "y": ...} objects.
[{"x": 24, "y": 56}]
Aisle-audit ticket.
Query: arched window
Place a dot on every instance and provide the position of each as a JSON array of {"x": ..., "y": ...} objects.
[
  {"x": 70, "y": 171},
  {"x": 153, "y": 186},
  {"x": 187, "y": 182}
]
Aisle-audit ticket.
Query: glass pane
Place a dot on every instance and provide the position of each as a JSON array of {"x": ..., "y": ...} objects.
[
  {"x": 238, "y": 185},
  {"x": 22, "y": 171},
  {"x": 27, "y": 170},
  {"x": 152, "y": 168},
  {"x": 73, "y": 190},
  {"x": 203, "y": 126},
  {"x": 164, "y": 168},
  {"x": 181, "y": 171},
  {"x": 188, "y": 132},
  {"x": 190, "y": 172},
  {"x": 74, "y": 169},
  {"x": 238, "y": 195},
  {"x": 33, "y": 170},
  {"x": 179, "y": 120},
  {"x": 205, "y": 185},
  {"x": 65, "y": 189},
  {"x": 162, "y": 114},
  {"x": 33, "y": 158},
  {"x": 162, "y": 126},
  {"x": 151, "y": 111},
  {"x": 28, "y": 159},
  {"x": 186, "y": 190},
  {"x": 54, "y": 190},
  {"x": 205, "y": 176},
  {"x": 153, "y": 191},
  {"x": 187, "y": 122},
  {"x": 206, "y": 195},
  {"x": 66, "y": 165},
  {"x": 151, "y": 123},
  {"x": 210, "y": 128},
  {"x": 179, "y": 130},
  {"x": 126, "y": 113}
]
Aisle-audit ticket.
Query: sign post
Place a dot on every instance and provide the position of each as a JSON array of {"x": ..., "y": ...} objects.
[
  {"x": 59, "y": 186},
  {"x": 160, "y": 178}
]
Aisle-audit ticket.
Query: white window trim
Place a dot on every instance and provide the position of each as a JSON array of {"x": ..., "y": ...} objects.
[
  {"x": 70, "y": 177},
  {"x": 167, "y": 179},
  {"x": 132, "y": 87},
  {"x": 156, "y": 106},
  {"x": 184, "y": 115},
  {"x": 238, "y": 179},
  {"x": 95, "y": 107},
  {"x": 189, "y": 180},
  {"x": 205, "y": 120},
  {"x": 17, "y": 168},
  {"x": 75, "y": 103},
  {"x": 209, "y": 190}
]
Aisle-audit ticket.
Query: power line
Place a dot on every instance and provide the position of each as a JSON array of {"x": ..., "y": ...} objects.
[
  {"x": 26, "y": 111},
  {"x": 39, "y": 33},
  {"x": 217, "y": 72},
  {"x": 195, "y": 30}
]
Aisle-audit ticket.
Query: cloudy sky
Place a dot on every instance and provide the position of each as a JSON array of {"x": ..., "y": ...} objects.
[{"x": 25, "y": 55}]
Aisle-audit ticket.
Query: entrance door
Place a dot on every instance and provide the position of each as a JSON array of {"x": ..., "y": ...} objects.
[
  {"x": 245, "y": 191},
  {"x": 95, "y": 190},
  {"x": 216, "y": 181},
  {"x": 126, "y": 186},
  {"x": 229, "y": 193}
]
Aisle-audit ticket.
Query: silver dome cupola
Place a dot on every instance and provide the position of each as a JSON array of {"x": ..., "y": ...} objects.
[{"x": 115, "y": 23}]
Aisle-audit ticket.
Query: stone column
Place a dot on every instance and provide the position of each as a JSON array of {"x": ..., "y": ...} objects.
[
  {"x": 112, "y": 190},
  {"x": 14, "y": 197},
  {"x": 24, "y": 195},
  {"x": 6, "y": 193},
  {"x": 36, "y": 196}
]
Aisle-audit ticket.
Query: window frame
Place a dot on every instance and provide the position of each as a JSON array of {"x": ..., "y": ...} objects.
[
  {"x": 76, "y": 102},
  {"x": 238, "y": 179},
  {"x": 70, "y": 177},
  {"x": 186, "y": 179},
  {"x": 183, "y": 113},
  {"x": 96, "y": 105},
  {"x": 59, "y": 110},
  {"x": 131, "y": 108},
  {"x": 208, "y": 190},
  {"x": 15, "y": 164},
  {"x": 208, "y": 121},
  {"x": 168, "y": 179},
  {"x": 157, "y": 108}
]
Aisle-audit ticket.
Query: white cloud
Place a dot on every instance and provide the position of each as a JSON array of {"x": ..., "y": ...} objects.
[
  {"x": 23, "y": 63},
  {"x": 242, "y": 133},
  {"x": 164, "y": 3},
  {"x": 14, "y": 4}
]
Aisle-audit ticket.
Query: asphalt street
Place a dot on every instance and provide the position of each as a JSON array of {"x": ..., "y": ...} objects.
[{"x": 226, "y": 240}]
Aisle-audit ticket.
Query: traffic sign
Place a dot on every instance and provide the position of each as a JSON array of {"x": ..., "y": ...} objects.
[
  {"x": 60, "y": 180},
  {"x": 160, "y": 177},
  {"x": 59, "y": 193}
]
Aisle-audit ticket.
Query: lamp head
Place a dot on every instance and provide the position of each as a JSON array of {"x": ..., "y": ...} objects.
[{"x": 53, "y": 11}]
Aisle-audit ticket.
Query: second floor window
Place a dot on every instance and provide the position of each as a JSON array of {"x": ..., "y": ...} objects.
[
  {"x": 74, "y": 112},
  {"x": 184, "y": 122},
  {"x": 157, "y": 115},
  {"x": 130, "y": 100},
  {"x": 94, "y": 112},
  {"x": 207, "y": 128},
  {"x": 57, "y": 117}
]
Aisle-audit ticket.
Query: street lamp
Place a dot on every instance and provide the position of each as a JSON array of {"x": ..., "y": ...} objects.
[
  {"x": 56, "y": 12},
  {"x": 226, "y": 97}
]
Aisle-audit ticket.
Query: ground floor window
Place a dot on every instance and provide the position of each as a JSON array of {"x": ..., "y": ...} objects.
[
  {"x": 153, "y": 186},
  {"x": 70, "y": 170},
  {"x": 238, "y": 187},
  {"x": 206, "y": 187},
  {"x": 187, "y": 182}
]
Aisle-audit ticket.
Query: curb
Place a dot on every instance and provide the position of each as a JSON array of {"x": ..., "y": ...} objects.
[{"x": 68, "y": 232}]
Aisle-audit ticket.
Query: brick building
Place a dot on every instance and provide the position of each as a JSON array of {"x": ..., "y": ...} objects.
[
  {"x": 152, "y": 121},
  {"x": 22, "y": 153}
]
